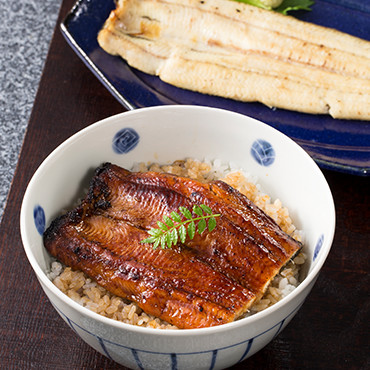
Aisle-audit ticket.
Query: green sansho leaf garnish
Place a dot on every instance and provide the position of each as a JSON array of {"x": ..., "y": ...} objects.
[{"x": 180, "y": 225}]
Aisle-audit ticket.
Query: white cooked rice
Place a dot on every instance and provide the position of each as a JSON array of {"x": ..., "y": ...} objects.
[{"x": 89, "y": 294}]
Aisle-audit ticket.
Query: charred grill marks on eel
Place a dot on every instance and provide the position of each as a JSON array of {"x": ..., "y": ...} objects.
[{"x": 210, "y": 280}]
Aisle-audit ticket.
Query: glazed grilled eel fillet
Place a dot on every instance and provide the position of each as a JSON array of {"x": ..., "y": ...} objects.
[
  {"x": 170, "y": 284},
  {"x": 247, "y": 245},
  {"x": 238, "y": 51},
  {"x": 211, "y": 280}
]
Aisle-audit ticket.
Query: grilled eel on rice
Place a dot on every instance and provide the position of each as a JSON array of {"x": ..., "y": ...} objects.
[
  {"x": 209, "y": 280},
  {"x": 239, "y": 51}
]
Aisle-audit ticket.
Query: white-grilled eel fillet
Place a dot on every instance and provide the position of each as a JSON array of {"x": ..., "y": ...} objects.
[{"x": 238, "y": 51}]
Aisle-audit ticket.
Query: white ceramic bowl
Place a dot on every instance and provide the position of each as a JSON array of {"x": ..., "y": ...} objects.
[{"x": 164, "y": 134}]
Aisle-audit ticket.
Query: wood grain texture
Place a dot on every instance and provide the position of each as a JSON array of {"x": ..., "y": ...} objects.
[{"x": 331, "y": 331}]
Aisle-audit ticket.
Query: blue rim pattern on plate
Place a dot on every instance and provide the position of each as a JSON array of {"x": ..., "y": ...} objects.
[
  {"x": 125, "y": 140},
  {"x": 318, "y": 247},
  {"x": 39, "y": 219},
  {"x": 263, "y": 152},
  {"x": 338, "y": 145}
]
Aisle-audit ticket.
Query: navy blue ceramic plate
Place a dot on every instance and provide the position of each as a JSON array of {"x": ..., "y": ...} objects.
[{"x": 334, "y": 144}]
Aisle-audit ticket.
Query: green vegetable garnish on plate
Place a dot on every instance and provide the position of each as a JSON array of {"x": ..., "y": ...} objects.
[{"x": 281, "y": 6}]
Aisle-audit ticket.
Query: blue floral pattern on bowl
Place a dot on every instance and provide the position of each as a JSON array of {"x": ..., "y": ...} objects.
[
  {"x": 125, "y": 140},
  {"x": 318, "y": 246},
  {"x": 263, "y": 152},
  {"x": 39, "y": 219}
]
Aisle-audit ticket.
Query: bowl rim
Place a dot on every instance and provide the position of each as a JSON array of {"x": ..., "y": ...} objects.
[{"x": 41, "y": 275}]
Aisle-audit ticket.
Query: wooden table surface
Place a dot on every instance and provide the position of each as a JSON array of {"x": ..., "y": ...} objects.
[{"x": 331, "y": 331}]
